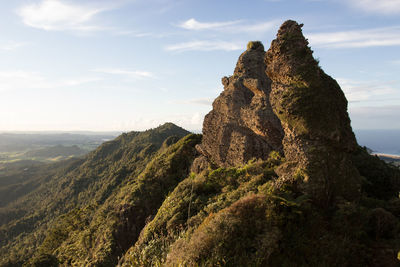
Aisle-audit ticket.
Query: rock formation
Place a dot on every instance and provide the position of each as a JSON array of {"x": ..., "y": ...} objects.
[
  {"x": 241, "y": 125},
  {"x": 283, "y": 101},
  {"x": 313, "y": 112}
]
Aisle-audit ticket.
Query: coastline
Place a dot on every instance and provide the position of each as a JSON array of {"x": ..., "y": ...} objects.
[{"x": 393, "y": 156}]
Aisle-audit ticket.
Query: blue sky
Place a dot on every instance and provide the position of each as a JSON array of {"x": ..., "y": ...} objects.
[{"x": 126, "y": 65}]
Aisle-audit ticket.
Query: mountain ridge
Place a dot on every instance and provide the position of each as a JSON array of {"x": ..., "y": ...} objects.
[
  {"x": 132, "y": 149},
  {"x": 276, "y": 179}
]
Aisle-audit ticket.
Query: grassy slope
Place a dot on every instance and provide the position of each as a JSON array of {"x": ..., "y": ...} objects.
[{"x": 235, "y": 217}]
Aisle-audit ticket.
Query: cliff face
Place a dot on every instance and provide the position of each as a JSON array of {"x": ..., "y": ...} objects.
[
  {"x": 313, "y": 112},
  {"x": 283, "y": 101},
  {"x": 241, "y": 125}
]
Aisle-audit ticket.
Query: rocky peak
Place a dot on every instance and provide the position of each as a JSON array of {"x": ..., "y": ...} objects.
[
  {"x": 282, "y": 100},
  {"x": 250, "y": 63},
  {"x": 313, "y": 112},
  {"x": 241, "y": 125},
  {"x": 310, "y": 101}
]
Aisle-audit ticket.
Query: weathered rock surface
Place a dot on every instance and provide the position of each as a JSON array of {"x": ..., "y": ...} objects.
[
  {"x": 241, "y": 125},
  {"x": 283, "y": 101},
  {"x": 313, "y": 112}
]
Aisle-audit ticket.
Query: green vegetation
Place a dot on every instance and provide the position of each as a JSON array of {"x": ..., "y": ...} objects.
[
  {"x": 133, "y": 201},
  {"x": 81, "y": 184},
  {"x": 192, "y": 202},
  {"x": 235, "y": 217},
  {"x": 253, "y": 45}
]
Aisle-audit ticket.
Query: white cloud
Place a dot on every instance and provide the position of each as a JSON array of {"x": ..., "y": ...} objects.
[
  {"x": 9, "y": 46},
  {"x": 12, "y": 80},
  {"x": 129, "y": 73},
  {"x": 234, "y": 26},
  {"x": 386, "y": 7},
  {"x": 22, "y": 80},
  {"x": 196, "y": 101},
  {"x": 369, "y": 91},
  {"x": 56, "y": 15},
  {"x": 375, "y": 117},
  {"x": 189, "y": 121},
  {"x": 206, "y": 45},
  {"x": 193, "y": 24},
  {"x": 224, "y": 27},
  {"x": 389, "y": 36},
  {"x": 258, "y": 27}
]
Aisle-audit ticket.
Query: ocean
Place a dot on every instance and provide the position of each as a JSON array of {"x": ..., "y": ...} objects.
[{"x": 380, "y": 141}]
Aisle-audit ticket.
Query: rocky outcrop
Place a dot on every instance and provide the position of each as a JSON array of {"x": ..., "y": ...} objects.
[
  {"x": 283, "y": 101},
  {"x": 313, "y": 112},
  {"x": 241, "y": 125}
]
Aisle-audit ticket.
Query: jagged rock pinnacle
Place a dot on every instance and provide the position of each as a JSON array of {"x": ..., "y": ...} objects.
[
  {"x": 313, "y": 112},
  {"x": 282, "y": 100},
  {"x": 242, "y": 125}
]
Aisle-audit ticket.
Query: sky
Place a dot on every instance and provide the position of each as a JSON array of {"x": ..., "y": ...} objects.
[{"x": 122, "y": 65}]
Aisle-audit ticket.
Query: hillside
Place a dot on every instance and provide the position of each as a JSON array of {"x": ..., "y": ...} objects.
[
  {"x": 20, "y": 142},
  {"x": 276, "y": 179},
  {"x": 74, "y": 184},
  {"x": 56, "y": 151},
  {"x": 20, "y": 148}
]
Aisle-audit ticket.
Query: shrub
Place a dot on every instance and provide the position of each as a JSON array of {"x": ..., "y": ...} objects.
[{"x": 255, "y": 45}]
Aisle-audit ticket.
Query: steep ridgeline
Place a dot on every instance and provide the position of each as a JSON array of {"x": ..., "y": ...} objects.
[
  {"x": 313, "y": 112},
  {"x": 85, "y": 211},
  {"x": 241, "y": 125},
  {"x": 280, "y": 180}
]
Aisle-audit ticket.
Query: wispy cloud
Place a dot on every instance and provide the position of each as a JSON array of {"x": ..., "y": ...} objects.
[
  {"x": 56, "y": 15},
  {"x": 196, "y": 101},
  {"x": 129, "y": 73},
  {"x": 370, "y": 91},
  {"x": 258, "y": 27},
  {"x": 139, "y": 34},
  {"x": 22, "y": 80},
  {"x": 190, "y": 121},
  {"x": 193, "y": 24},
  {"x": 207, "y": 41},
  {"x": 389, "y": 36},
  {"x": 205, "y": 45},
  {"x": 9, "y": 46},
  {"x": 386, "y": 7},
  {"x": 375, "y": 117},
  {"x": 233, "y": 26}
]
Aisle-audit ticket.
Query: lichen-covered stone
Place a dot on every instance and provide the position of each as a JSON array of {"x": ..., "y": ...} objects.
[
  {"x": 313, "y": 112},
  {"x": 242, "y": 125}
]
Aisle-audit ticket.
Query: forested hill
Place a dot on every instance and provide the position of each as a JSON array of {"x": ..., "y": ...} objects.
[{"x": 63, "y": 190}]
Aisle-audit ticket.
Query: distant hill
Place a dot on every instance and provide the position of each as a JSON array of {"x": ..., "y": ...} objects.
[
  {"x": 56, "y": 151},
  {"x": 47, "y": 147},
  {"x": 15, "y": 142}
]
